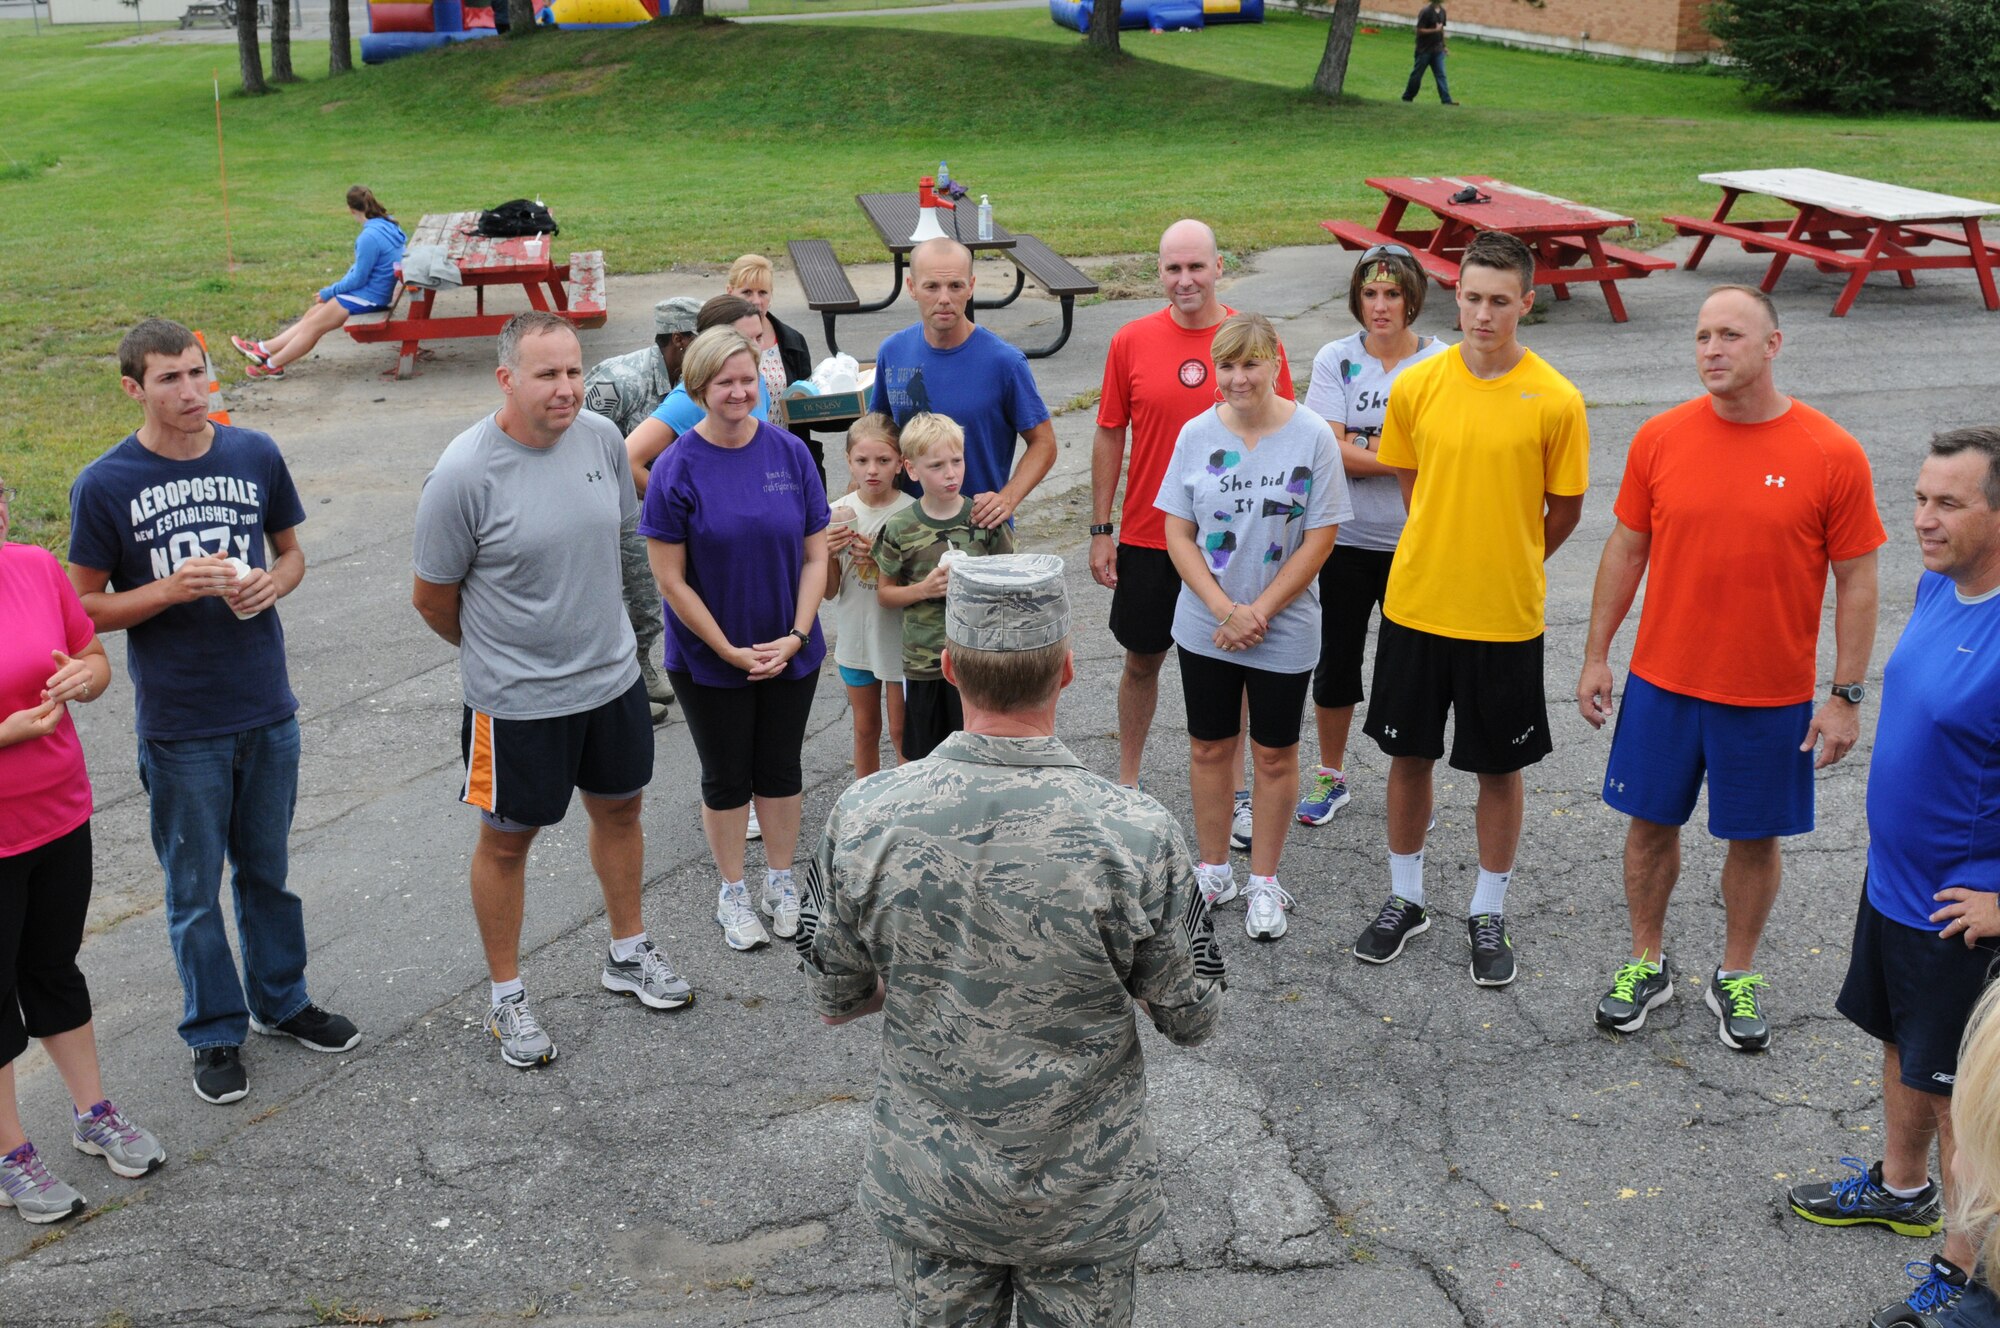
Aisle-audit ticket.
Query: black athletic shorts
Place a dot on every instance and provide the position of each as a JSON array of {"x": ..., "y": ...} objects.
[
  {"x": 1351, "y": 584},
  {"x": 1215, "y": 688},
  {"x": 519, "y": 772},
  {"x": 931, "y": 713},
  {"x": 44, "y": 897},
  {"x": 1492, "y": 689},
  {"x": 1142, "y": 607},
  {"x": 1916, "y": 990},
  {"x": 749, "y": 738}
]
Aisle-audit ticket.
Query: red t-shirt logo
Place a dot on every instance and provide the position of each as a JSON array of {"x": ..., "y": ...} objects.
[{"x": 1194, "y": 373}]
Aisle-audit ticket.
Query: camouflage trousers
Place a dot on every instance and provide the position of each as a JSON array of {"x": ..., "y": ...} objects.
[
  {"x": 935, "y": 1290},
  {"x": 642, "y": 606}
]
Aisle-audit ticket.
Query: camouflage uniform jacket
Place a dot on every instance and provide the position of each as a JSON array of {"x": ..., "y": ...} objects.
[
  {"x": 1015, "y": 905},
  {"x": 626, "y": 388}
]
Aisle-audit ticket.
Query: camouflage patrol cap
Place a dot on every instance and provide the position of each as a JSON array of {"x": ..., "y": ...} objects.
[
  {"x": 1008, "y": 602},
  {"x": 675, "y": 315}
]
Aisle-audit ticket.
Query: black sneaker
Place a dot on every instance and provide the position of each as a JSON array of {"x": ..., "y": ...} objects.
[
  {"x": 313, "y": 1029},
  {"x": 1739, "y": 1011},
  {"x": 218, "y": 1074},
  {"x": 1398, "y": 921},
  {"x": 1636, "y": 989},
  {"x": 1862, "y": 1198},
  {"x": 1939, "y": 1281},
  {"x": 1492, "y": 950}
]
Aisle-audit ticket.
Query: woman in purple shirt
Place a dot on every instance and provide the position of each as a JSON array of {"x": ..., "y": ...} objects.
[{"x": 735, "y": 522}]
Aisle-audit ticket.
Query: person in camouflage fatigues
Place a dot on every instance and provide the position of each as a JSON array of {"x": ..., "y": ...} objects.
[
  {"x": 625, "y": 389},
  {"x": 1008, "y": 911}
]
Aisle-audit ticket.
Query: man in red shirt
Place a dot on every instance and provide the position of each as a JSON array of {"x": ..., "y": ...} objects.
[
  {"x": 1158, "y": 375},
  {"x": 1733, "y": 507}
]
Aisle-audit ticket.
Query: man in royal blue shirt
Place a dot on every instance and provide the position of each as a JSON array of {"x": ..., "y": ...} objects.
[
  {"x": 949, "y": 366},
  {"x": 172, "y": 537},
  {"x": 1926, "y": 938}
]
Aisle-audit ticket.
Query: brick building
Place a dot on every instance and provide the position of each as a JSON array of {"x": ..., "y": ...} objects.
[{"x": 1666, "y": 30}]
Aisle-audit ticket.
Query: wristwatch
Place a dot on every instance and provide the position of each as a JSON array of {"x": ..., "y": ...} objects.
[
  {"x": 1850, "y": 692},
  {"x": 1103, "y": 528},
  {"x": 805, "y": 638}
]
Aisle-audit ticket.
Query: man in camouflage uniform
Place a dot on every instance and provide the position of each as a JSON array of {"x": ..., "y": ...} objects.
[
  {"x": 625, "y": 389},
  {"x": 1008, "y": 911}
]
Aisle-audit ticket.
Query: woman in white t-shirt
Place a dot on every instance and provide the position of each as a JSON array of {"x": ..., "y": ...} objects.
[
  {"x": 868, "y": 639},
  {"x": 1350, "y": 391}
]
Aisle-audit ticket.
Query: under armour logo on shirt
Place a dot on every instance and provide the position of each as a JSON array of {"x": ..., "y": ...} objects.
[
  {"x": 1388, "y": 732},
  {"x": 1778, "y": 480},
  {"x": 593, "y": 475},
  {"x": 1615, "y": 785}
]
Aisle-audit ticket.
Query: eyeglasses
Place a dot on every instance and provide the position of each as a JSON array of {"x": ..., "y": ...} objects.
[{"x": 1377, "y": 251}]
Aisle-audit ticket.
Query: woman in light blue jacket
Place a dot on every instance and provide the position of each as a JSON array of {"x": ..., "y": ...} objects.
[{"x": 368, "y": 287}]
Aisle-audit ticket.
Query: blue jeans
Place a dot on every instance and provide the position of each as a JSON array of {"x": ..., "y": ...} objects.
[
  {"x": 1433, "y": 61},
  {"x": 231, "y": 795}
]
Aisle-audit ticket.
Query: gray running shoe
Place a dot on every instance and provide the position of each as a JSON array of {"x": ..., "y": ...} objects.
[
  {"x": 523, "y": 1044},
  {"x": 649, "y": 977},
  {"x": 738, "y": 920},
  {"x": 130, "y": 1151},
  {"x": 27, "y": 1187},
  {"x": 1239, "y": 822}
]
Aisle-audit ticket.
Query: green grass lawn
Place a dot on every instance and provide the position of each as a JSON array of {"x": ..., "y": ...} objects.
[{"x": 699, "y": 142}]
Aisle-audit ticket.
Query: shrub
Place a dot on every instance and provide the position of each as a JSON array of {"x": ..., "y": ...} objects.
[
  {"x": 1842, "y": 55},
  {"x": 1967, "y": 69}
]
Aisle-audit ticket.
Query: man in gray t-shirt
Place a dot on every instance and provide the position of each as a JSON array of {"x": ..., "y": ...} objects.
[{"x": 517, "y": 564}]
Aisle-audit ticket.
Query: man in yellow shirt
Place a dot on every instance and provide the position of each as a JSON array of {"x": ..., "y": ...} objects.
[{"x": 1493, "y": 452}]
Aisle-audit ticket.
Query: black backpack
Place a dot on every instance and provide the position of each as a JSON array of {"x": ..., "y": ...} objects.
[{"x": 519, "y": 216}]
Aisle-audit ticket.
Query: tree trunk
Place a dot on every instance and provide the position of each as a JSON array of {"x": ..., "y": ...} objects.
[
  {"x": 339, "y": 41},
  {"x": 281, "y": 42},
  {"x": 520, "y": 18},
  {"x": 1104, "y": 27},
  {"x": 1332, "y": 75},
  {"x": 248, "y": 54},
  {"x": 689, "y": 9}
]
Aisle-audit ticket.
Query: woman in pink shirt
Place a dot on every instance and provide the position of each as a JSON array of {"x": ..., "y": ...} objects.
[{"x": 49, "y": 658}]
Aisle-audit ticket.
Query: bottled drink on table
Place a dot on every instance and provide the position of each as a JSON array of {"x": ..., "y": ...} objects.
[{"x": 985, "y": 217}]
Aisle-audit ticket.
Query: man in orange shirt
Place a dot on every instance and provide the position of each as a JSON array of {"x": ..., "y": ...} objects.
[{"x": 1733, "y": 507}]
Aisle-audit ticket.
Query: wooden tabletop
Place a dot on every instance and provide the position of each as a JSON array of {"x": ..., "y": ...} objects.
[
  {"x": 1852, "y": 194},
  {"x": 1511, "y": 208},
  {"x": 894, "y": 216},
  {"x": 459, "y": 233}
]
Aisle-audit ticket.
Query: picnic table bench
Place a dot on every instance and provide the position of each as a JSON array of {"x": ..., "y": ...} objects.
[
  {"x": 1567, "y": 238},
  {"x": 1846, "y": 223},
  {"x": 573, "y": 290}
]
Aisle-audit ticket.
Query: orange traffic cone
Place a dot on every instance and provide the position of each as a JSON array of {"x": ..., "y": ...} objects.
[{"x": 215, "y": 410}]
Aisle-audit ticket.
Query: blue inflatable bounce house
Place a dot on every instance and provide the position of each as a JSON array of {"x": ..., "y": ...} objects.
[{"x": 1161, "y": 15}]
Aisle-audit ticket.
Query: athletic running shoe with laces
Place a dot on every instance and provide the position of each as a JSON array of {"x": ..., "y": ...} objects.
[
  {"x": 1392, "y": 928},
  {"x": 218, "y": 1074},
  {"x": 738, "y": 920},
  {"x": 780, "y": 903},
  {"x": 1492, "y": 950},
  {"x": 252, "y": 350},
  {"x": 1940, "y": 1283},
  {"x": 1327, "y": 795},
  {"x": 753, "y": 830},
  {"x": 27, "y": 1187},
  {"x": 1739, "y": 1011},
  {"x": 264, "y": 369},
  {"x": 104, "y": 1132},
  {"x": 648, "y": 976},
  {"x": 313, "y": 1029},
  {"x": 1217, "y": 884},
  {"x": 1265, "y": 903},
  {"x": 1636, "y": 989},
  {"x": 1239, "y": 822},
  {"x": 1862, "y": 1198},
  {"x": 523, "y": 1043}
]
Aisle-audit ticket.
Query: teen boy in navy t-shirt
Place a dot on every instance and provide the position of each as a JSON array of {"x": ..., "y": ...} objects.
[{"x": 172, "y": 534}]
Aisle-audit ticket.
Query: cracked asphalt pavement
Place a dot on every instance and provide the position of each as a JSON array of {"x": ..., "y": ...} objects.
[{"x": 1357, "y": 1146}]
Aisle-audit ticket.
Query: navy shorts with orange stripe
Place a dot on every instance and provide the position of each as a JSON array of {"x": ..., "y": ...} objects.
[{"x": 523, "y": 770}]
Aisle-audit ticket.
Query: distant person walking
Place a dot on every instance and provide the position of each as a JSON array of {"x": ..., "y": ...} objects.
[{"x": 1431, "y": 22}]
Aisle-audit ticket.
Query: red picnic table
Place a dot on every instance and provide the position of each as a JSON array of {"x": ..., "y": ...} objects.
[
  {"x": 1841, "y": 214},
  {"x": 573, "y": 290},
  {"x": 1567, "y": 238}
]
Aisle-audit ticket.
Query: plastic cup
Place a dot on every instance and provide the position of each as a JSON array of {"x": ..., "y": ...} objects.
[
  {"x": 533, "y": 246},
  {"x": 242, "y": 571}
]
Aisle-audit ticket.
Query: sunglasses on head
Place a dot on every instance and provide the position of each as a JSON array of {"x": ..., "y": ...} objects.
[{"x": 1377, "y": 251}]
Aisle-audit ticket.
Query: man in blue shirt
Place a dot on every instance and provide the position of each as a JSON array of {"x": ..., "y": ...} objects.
[
  {"x": 173, "y": 534},
  {"x": 1928, "y": 933},
  {"x": 949, "y": 366}
]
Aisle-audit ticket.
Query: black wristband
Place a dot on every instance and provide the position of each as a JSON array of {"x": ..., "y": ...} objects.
[{"x": 1103, "y": 528}]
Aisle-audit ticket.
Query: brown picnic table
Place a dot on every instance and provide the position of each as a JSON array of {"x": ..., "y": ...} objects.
[
  {"x": 1846, "y": 223},
  {"x": 1567, "y": 238}
]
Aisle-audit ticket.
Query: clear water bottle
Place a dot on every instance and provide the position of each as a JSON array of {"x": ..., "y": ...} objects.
[
  {"x": 943, "y": 178},
  {"x": 985, "y": 217}
]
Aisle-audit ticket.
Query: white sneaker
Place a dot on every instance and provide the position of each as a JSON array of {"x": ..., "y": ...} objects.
[
  {"x": 754, "y": 831},
  {"x": 1239, "y": 823},
  {"x": 1264, "y": 915},
  {"x": 1217, "y": 884},
  {"x": 738, "y": 920},
  {"x": 781, "y": 904}
]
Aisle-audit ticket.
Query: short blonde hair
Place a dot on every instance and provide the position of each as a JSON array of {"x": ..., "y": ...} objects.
[
  {"x": 749, "y": 268},
  {"x": 873, "y": 427},
  {"x": 706, "y": 356},
  {"x": 1244, "y": 339},
  {"x": 1007, "y": 682},
  {"x": 924, "y": 431},
  {"x": 1975, "y": 1120}
]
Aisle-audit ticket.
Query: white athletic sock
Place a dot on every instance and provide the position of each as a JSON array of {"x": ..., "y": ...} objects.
[
  {"x": 511, "y": 987},
  {"x": 1256, "y": 880},
  {"x": 1333, "y": 771},
  {"x": 1907, "y": 1194},
  {"x": 625, "y": 951},
  {"x": 1210, "y": 868},
  {"x": 1490, "y": 895},
  {"x": 727, "y": 888},
  {"x": 1406, "y": 876}
]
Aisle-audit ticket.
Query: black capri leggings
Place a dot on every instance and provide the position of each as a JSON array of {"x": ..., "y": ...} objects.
[
  {"x": 44, "y": 894},
  {"x": 1215, "y": 688},
  {"x": 1351, "y": 583},
  {"x": 749, "y": 738}
]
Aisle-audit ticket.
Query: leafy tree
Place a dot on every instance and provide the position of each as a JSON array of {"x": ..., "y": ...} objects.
[
  {"x": 520, "y": 18},
  {"x": 1842, "y": 55},
  {"x": 281, "y": 42},
  {"x": 339, "y": 39},
  {"x": 249, "y": 55},
  {"x": 1104, "y": 16},
  {"x": 1332, "y": 75},
  {"x": 688, "y": 9}
]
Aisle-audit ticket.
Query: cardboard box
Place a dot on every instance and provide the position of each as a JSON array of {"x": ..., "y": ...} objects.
[{"x": 831, "y": 411}]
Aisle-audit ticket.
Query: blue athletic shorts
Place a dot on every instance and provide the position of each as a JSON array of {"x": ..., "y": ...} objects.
[
  {"x": 1759, "y": 783},
  {"x": 857, "y": 677},
  {"x": 354, "y": 304}
]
